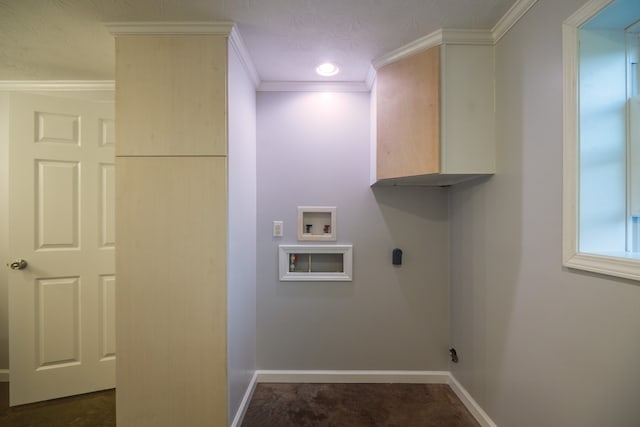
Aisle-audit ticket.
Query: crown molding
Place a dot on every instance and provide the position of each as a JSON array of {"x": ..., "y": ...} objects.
[
  {"x": 409, "y": 49},
  {"x": 277, "y": 86},
  {"x": 438, "y": 37},
  {"x": 222, "y": 28},
  {"x": 468, "y": 37},
  {"x": 460, "y": 36},
  {"x": 371, "y": 77},
  {"x": 57, "y": 85},
  {"x": 237, "y": 43},
  {"x": 510, "y": 18},
  {"x": 586, "y": 12}
]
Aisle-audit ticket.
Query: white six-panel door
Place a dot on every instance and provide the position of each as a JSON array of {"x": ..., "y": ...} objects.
[{"x": 61, "y": 220}]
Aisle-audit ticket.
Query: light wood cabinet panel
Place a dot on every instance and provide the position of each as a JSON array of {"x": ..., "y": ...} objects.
[
  {"x": 408, "y": 108},
  {"x": 171, "y": 216},
  {"x": 435, "y": 116},
  {"x": 171, "y": 95}
]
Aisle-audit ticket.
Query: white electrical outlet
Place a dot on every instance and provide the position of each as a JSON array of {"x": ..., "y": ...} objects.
[{"x": 277, "y": 228}]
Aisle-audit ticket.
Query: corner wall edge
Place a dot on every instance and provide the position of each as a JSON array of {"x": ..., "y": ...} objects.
[
  {"x": 244, "y": 404},
  {"x": 470, "y": 403},
  {"x": 237, "y": 43},
  {"x": 509, "y": 19}
]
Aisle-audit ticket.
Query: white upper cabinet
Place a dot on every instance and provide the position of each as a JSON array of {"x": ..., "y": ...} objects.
[{"x": 435, "y": 115}]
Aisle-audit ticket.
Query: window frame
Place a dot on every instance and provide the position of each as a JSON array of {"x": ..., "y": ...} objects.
[{"x": 619, "y": 266}]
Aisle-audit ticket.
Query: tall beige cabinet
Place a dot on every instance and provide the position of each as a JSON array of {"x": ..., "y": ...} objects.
[{"x": 171, "y": 222}]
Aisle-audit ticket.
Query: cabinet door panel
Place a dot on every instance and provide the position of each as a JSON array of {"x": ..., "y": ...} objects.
[
  {"x": 468, "y": 110},
  {"x": 157, "y": 73},
  {"x": 171, "y": 299},
  {"x": 408, "y": 116}
]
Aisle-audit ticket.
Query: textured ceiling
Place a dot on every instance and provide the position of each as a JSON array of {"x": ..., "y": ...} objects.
[{"x": 66, "y": 39}]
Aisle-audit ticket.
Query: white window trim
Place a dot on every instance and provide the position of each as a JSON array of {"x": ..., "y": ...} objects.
[{"x": 620, "y": 266}]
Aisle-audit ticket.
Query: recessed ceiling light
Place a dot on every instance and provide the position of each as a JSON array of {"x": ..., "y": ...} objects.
[{"x": 327, "y": 69}]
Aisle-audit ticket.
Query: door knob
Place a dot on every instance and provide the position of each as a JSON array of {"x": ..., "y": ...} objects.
[{"x": 18, "y": 264}]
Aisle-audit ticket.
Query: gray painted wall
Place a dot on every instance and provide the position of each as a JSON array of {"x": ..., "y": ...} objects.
[
  {"x": 313, "y": 149},
  {"x": 241, "y": 283},
  {"x": 539, "y": 345}
]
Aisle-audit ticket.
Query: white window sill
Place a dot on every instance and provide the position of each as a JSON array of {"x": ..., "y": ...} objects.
[{"x": 624, "y": 264}]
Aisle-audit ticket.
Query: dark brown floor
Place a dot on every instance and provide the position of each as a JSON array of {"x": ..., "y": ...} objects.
[
  {"x": 87, "y": 410},
  {"x": 276, "y": 405},
  {"x": 357, "y": 405}
]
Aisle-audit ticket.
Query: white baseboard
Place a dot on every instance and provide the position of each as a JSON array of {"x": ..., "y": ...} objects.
[
  {"x": 470, "y": 403},
  {"x": 402, "y": 377},
  {"x": 244, "y": 404},
  {"x": 418, "y": 377}
]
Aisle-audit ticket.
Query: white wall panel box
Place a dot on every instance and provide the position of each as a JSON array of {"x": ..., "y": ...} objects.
[
  {"x": 317, "y": 223},
  {"x": 316, "y": 263}
]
